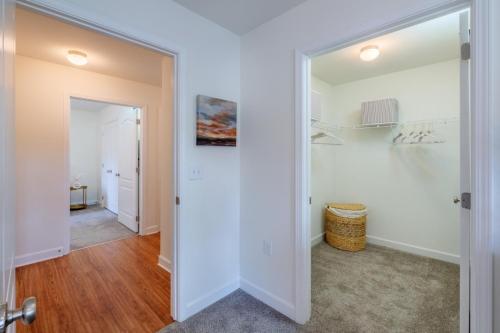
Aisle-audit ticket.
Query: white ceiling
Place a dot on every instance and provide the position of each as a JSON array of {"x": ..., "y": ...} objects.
[
  {"x": 423, "y": 44},
  {"x": 239, "y": 16},
  {"x": 48, "y": 39}
]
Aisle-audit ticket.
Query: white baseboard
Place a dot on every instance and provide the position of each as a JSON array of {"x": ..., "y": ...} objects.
[
  {"x": 268, "y": 298},
  {"x": 151, "y": 230},
  {"x": 317, "y": 239},
  {"x": 89, "y": 202},
  {"x": 413, "y": 249},
  {"x": 209, "y": 298},
  {"x": 31, "y": 258},
  {"x": 165, "y": 263}
]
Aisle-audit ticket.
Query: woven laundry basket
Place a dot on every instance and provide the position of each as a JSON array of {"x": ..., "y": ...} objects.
[{"x": 346, "y": 226}]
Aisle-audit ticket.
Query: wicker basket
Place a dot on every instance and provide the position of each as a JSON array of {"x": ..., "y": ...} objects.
[{"x": 345, "y": 233}]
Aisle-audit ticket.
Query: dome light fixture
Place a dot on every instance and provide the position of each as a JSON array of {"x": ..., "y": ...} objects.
[
  {"x": 369, "y": 53},
  {"x": 77, "y": 57}
]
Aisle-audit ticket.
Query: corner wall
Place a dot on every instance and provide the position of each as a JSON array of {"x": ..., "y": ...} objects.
[
  {"x": 209, "y": 210},
  {"x": 267, "y": 134}
]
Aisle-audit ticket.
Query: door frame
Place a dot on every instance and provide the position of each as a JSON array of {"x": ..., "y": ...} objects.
[
  {"x": 481, "y": 247},
  {"x": 179, "y": 55},
  {"x": 67, "y": 149}
]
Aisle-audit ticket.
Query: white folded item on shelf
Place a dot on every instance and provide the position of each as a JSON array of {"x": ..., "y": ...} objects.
[{"x": 379, "y": 112}]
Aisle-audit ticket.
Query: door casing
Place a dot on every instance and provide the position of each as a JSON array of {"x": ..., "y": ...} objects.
[
  {"x": 481, "y": 175},
  {"x": 179, "y": 56}
]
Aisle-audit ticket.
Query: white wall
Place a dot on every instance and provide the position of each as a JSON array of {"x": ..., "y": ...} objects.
[
  {"x": 209, "y": 207},
  {"x": 408, "y": 189},
  {"x": 495, "y": 73},
  {"x": 42, "y": 206},
  {"x": 85, "y": 153},
  {"x": 267, "y": 133}
]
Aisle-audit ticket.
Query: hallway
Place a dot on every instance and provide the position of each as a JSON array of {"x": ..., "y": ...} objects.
[{"x": 113, "y": 287}]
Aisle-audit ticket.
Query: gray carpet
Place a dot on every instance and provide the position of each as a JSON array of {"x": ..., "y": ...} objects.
[
  {"x": 376, "y": 290},
  {"x": 96, "y": 225}
]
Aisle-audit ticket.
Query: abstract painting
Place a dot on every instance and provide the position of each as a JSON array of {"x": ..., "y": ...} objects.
[{"x": 216, "y": 122}]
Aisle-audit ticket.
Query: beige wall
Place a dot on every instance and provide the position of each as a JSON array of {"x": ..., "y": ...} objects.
[{"x": 42, "y": 100}]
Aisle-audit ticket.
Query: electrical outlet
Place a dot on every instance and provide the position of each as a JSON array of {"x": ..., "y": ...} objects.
[
  {"x": 267, "y": 247},
  {"x": 195, "y": 174}
]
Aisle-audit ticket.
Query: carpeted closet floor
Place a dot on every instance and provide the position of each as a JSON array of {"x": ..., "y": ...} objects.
[
  {"x": 376, "y": 290},
  {"x": 96, "y": 225}
]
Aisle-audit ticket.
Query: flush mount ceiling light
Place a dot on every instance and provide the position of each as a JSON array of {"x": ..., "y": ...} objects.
[
  {"x": 369, "y": 53},
  {"x": 77, "y": 58}
]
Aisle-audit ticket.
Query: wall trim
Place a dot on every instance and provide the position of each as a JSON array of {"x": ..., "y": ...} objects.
[
  {"x": 268, "y": 298},
  {"x": 481, "y": 151},
  {"x": 317, "y": 239},
  {"x": 210, "y": 298},
  {"x": 165, "y": 263},
  {"x": 152, "y": 229},
  {"x": 414, "y": 249},
  {"x": 34, "y": 257}
]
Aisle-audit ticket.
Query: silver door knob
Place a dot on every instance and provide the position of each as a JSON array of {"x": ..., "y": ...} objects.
[
  {"x": 27, "y": 314},
  {"x": 456, "y": 200}
]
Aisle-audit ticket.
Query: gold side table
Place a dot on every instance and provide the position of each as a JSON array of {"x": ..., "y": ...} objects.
[{"x": 82, "y": 205}]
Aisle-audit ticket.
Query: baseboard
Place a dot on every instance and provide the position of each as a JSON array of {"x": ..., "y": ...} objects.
[
  {"x": 209, "y": 298},
  {"x": 89, "y": 202},
  {"x": 268, "y": 298},
  {"x": 165, "y": 263},
  {"x": 151, "y": 230},
  {"x": 317, "y": 239},
  {"x": 413, "y": 249},
  {"x": 31, "y": 258}
]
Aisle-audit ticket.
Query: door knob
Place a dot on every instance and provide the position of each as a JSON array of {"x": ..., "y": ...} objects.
[
  {"x": 456, "y": 200},
  {"x": 27, "y": 314}
]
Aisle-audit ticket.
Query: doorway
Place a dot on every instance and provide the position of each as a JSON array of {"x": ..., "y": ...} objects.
[
  {"x": 104, "y": 172},
  {"x": 140, "y": 80},
  {"x": 340, "y": 140}
]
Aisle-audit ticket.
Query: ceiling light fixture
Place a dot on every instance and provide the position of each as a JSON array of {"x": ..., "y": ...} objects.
[
  {"x": 369, "y": 53},
  {"x": 77, "y": 58}
]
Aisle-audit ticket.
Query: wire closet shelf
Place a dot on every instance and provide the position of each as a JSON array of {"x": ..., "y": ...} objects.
[{"x": 407, "y": 132}]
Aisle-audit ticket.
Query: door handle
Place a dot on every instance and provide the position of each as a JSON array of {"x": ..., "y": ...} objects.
[
  {"x": 117, "y": 174},
  {"x": 27, "y": 314},
  {"x": 456, "y": 200},
  {"x": 109, "y": 171}
]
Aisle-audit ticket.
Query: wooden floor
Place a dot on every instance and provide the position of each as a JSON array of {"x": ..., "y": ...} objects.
[{"x": 113, "y": 287}]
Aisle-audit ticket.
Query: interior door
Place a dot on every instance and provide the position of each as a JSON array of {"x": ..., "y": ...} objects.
[
  {"x": 7, "y": 156},
  {"x": 127, "y": 163},
  {"x": 110, "y": 166},
  {"x": 465, "y": 169},
  {"x": 7, "y": 177}
]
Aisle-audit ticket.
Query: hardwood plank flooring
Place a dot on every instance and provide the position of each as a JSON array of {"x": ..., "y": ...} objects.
[{"x": 113, "y": 287}]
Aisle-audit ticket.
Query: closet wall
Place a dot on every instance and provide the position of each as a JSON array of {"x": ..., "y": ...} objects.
[
  {"x": 85, "y": 154},
  {"x": 408, "y": 189}
]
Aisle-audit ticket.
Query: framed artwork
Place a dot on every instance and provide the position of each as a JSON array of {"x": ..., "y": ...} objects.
[{"x": 215, "y": 122}]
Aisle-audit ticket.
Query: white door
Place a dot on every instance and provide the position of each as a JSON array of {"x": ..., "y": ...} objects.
[
  {"x": 7, "y": 156},
  {"x": 109, "y": 175},
  {"x": 8, "y": 173},
  {"x": 127, "y": 168},
  {"x": 465, "y": 176}
]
